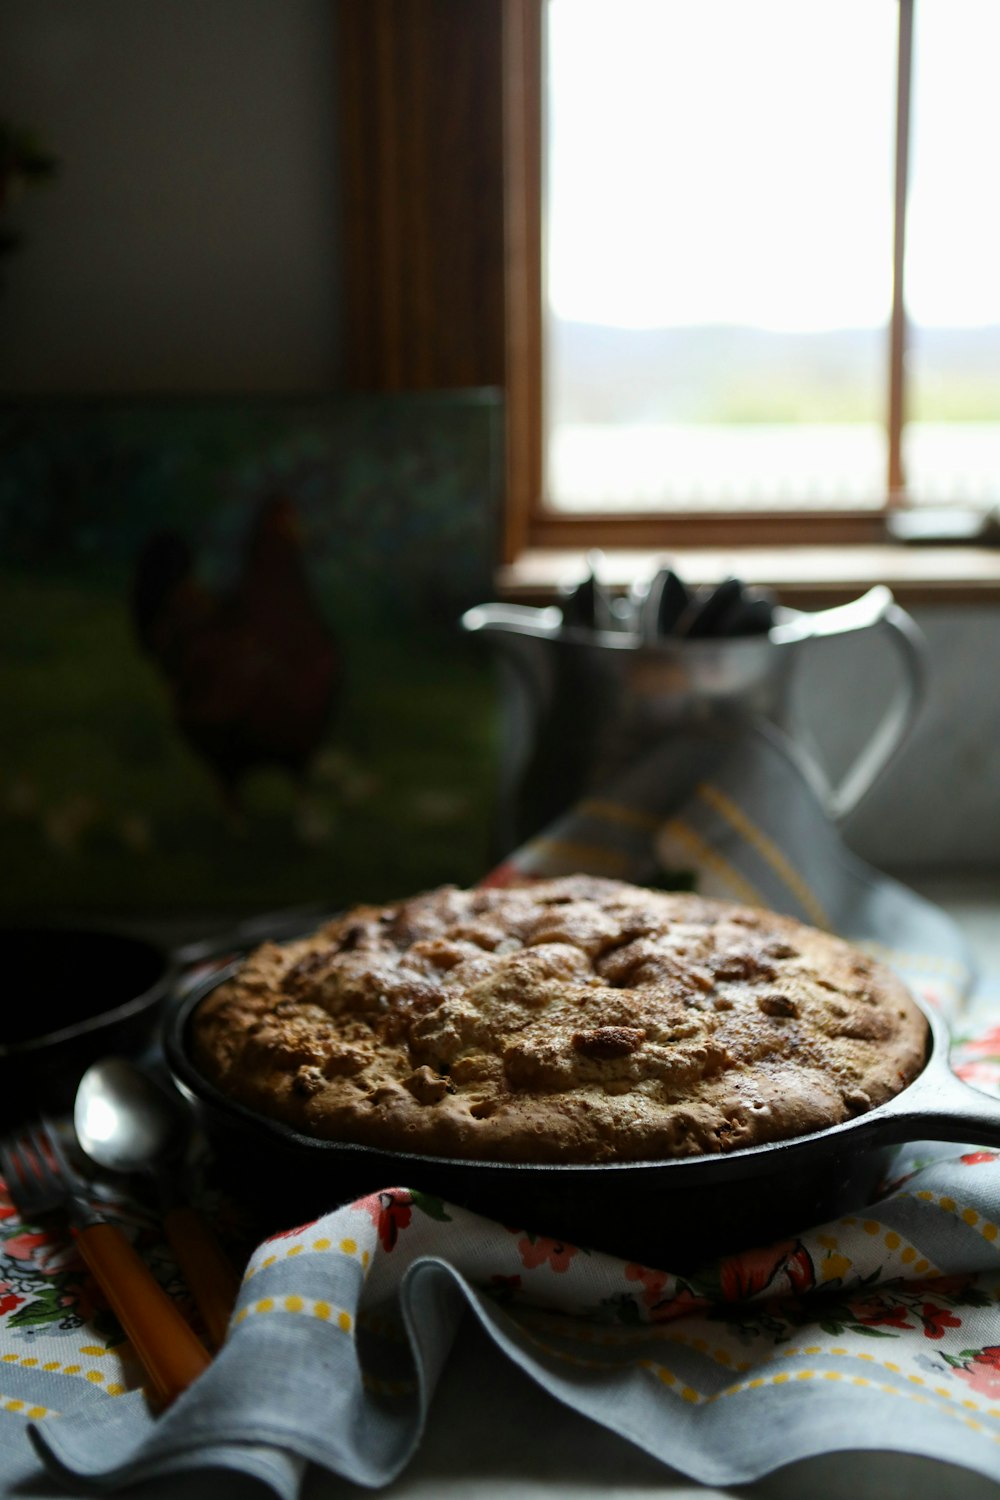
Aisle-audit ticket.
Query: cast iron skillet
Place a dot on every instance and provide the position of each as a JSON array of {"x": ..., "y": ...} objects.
[
  {"x": 672, "y": 1214},
  {"x": 74, "y": 993},
  {"x": 71, "y": 995}
]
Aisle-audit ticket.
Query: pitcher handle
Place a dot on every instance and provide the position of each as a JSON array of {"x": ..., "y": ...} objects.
[{"x": 875, "y": 610}]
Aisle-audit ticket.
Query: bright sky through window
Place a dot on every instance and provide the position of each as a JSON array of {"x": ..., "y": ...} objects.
[
  {"x": 719, "y": 189},
  {"x": 953, "y": 230},
  {"x": 730, "y": 162},
  {"x": 714, "y": 162}
]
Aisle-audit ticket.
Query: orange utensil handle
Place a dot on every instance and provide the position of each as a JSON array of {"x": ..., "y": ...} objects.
[
  {"x": 212, "y": 1278},
  {"x": 166, "y": 1344}
]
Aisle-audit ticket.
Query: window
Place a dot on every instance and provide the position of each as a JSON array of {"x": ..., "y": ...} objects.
[
  {"x": 951, "y": 436},
  {"x": 795, "y": 403},
  {"x": 718, "y": 273},
  {"x": 768, "y": 299}
]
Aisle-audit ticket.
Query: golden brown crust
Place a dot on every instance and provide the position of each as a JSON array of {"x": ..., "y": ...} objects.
[{"x": 573, "y": 1020}]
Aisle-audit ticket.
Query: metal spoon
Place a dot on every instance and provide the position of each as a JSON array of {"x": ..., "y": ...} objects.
[{"x": 128, "y": 1123}]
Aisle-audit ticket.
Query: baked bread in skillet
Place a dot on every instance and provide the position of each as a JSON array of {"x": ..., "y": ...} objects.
[{"x": 568, "y": 1020}]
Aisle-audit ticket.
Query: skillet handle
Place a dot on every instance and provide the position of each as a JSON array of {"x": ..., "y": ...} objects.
[{"x": 938, "y": 1106}]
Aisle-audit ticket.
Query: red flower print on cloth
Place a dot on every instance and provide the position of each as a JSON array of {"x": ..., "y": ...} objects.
[
  {"x": 983, "y": 1372},
  {"x": 41, "y": 1252},
  {"x": 876, "y": 1312},
  {"x": 8, "y": 1300},
  {"x": 988, "y": 1041},
  {"x": 390, "y": 1212},
  {"x": 536, "y": 1250},
  {"x": 948, "y": 1286},
  {"x": 780, "y": 1269},
  {"x": 978, "y": 1072},
  {"x": 936, "y": 1320},
  {"x": 654, "y": 1283},
  {"x": 973, "y": 1158},
  {"x": 663, "y": 1295}
]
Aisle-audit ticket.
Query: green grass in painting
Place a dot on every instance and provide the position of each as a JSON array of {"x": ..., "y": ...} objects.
[{"x": 104, "y": 809}]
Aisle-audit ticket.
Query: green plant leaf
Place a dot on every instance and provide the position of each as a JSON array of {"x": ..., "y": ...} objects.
[
  {"x": 433, "y": 1207},
  {"x": 44, "y": 1309}
]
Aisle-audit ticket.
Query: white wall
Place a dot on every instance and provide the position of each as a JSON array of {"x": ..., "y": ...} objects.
[
  {"x": 938, "y": 803},
  {"x": 189, "y": 242}
]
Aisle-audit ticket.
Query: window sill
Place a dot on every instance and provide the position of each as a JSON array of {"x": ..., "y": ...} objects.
[{"x": 803, "y": 576}]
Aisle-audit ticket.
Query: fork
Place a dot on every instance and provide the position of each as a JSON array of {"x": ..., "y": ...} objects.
[{"x": 41, "y": 1181}]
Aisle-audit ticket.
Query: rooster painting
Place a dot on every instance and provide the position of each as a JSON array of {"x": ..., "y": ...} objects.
[{"x": 252, "y": 672}]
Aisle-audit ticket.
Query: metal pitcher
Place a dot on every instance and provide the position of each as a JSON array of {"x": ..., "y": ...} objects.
[{"x": 580, "y": 704}]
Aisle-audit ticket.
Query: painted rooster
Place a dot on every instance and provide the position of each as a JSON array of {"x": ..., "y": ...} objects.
[{"x": 253, "y": 673}]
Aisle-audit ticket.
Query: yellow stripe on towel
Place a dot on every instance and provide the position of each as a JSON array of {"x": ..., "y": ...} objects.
[
  {"x": 573, "y": 856},
  {"x": 708, "y": 859},
  {"x": 768, "y": 851},
  {"x": 617, "y": 812}
]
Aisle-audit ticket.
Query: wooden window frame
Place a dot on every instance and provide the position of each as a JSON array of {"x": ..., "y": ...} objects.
[
  {"x": 440, "y": 152},
  {"x": 530, "y": 522},
  {"x": 420, "y": 117}
]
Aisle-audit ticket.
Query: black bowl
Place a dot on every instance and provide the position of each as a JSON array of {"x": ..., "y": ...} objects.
[
  {"x": 73, "y": 994},
  {"x": 675, "y": 1213}
]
